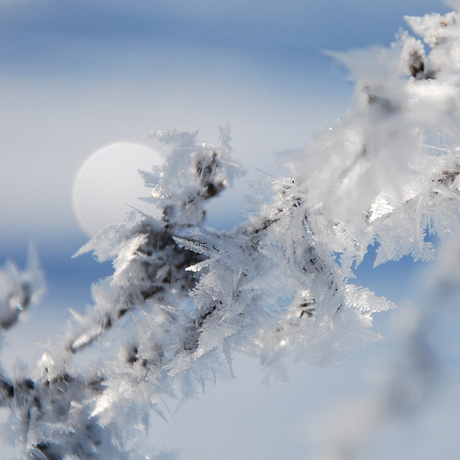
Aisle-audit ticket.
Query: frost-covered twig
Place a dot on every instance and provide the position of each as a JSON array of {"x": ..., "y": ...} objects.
[
  {"x": 183, "y": 298},
  {"x": 19, "y": 288}
]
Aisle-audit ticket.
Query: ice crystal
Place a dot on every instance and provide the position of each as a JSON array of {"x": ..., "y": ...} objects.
[{"x": 183, "y": 298}]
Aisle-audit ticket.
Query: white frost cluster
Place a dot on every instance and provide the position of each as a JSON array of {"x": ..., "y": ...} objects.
[
  {"x": 193, "y": 173},
  {"x": 183, "y": 298}
]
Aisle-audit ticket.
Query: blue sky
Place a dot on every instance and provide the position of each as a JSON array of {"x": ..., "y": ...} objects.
[{"x": 78, "y": 75}]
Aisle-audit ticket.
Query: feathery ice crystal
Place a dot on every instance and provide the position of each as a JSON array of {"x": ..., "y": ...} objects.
[{"x": 186, "y": 297}]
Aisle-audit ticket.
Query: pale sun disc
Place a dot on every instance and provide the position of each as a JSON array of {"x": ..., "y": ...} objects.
[{"x": 109, "y": 181}]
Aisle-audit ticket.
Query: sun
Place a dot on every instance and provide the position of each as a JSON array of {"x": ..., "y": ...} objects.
[{"x": 109, "y": 181}]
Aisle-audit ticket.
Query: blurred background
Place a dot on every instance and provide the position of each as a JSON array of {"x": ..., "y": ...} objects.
[{"x": 76, "y": 76}]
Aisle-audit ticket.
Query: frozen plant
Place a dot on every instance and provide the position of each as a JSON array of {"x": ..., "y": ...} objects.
[
  {"x": 19, "y": 289},
  {"x": 183, "y": 298}
]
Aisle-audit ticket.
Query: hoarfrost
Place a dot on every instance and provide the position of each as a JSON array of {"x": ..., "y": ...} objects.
[{"x": 277, "y": 285}]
